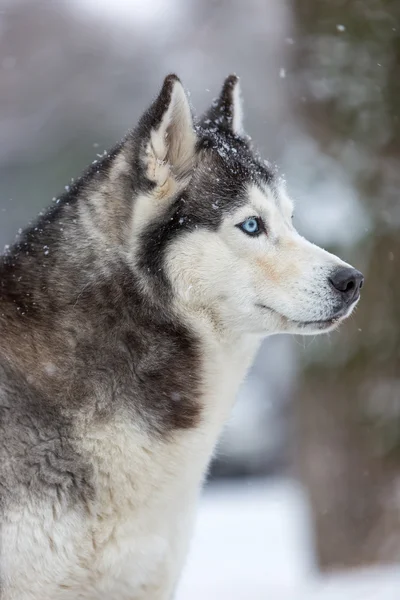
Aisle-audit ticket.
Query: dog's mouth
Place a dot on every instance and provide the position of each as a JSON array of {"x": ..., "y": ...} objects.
[{"x": 319, "y": 325}]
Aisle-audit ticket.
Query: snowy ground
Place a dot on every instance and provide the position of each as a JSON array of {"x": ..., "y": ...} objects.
[{"x": 253, "y": 542}]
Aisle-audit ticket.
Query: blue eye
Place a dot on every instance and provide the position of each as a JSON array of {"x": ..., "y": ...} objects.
[{"x": 252, "y": 226}]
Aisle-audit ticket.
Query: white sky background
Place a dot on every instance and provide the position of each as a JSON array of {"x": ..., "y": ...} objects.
[{"x": 141, "y": 12}]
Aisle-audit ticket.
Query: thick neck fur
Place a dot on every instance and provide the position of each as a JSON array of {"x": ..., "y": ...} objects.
[{"x": 79, "y": 327}]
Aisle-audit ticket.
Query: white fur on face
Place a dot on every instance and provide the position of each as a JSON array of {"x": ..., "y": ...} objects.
[{"x": 276, "y": 282}]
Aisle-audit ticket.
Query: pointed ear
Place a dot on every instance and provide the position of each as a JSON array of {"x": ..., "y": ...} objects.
[
  {"x": 168, "y": 138},
  {"x": 226, "y": 111}
]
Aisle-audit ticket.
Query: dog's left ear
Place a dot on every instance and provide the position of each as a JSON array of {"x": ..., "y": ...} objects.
[
  {"x": 168, "y": 137},
  {"x": 226, "y": 111}
]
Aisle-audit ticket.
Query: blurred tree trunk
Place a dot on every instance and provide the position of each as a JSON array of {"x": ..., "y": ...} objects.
[
  {"x": 348, "y": 430},
  {"x": 348, "y": 414}
]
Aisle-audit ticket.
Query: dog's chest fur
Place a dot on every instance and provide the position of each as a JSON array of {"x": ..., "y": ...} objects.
[
  {"x": 133, "y": 539},
  {"x": 148, "y": 489}
]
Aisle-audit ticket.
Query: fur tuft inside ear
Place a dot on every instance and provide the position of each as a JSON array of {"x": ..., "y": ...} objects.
[
  {"x": 226, "y": 111},
  {"x": 170, "y": 144}
]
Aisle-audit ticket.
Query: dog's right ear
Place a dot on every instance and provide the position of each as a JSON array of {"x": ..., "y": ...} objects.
[{"x": 167, "y": 138}]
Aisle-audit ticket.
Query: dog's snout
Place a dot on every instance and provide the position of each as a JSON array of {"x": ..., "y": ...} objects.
[{"x": 348, "y": 282}]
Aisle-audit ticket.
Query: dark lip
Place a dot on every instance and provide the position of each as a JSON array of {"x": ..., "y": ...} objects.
[{"x": 321, "y": 323}]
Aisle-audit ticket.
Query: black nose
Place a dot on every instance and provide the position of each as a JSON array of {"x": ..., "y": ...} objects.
[{"x": 348, "y": 282}]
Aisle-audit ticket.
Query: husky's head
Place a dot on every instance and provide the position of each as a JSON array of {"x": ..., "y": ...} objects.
[{"x": 212, "y": 222}]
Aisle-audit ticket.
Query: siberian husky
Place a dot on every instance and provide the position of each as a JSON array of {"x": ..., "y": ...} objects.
[{"x": 129, "y": 315}]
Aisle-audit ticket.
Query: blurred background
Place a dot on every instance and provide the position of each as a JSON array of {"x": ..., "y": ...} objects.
[{"x": 304, "y": 495}]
